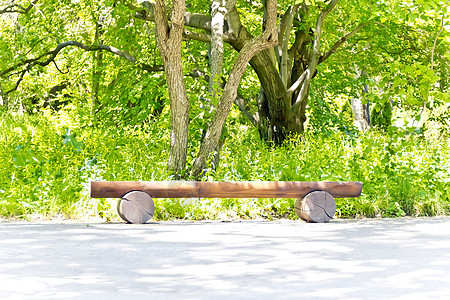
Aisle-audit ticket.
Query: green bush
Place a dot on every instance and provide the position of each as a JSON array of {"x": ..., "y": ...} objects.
[
  {"x": 48, "y": 159},
  {"x": 381, "y": 115}
]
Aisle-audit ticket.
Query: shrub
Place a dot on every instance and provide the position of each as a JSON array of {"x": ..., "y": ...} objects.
[{"x": 48, "y": 160}]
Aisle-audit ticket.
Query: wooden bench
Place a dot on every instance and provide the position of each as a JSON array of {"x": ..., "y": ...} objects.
[{"x": 315, "y": 200}]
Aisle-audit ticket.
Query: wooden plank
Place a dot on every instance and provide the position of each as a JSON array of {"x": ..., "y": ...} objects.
[{"x": 244, "y": 189}]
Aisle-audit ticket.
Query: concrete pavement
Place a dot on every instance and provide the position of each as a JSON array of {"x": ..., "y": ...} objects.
[{"x": 345, "y": 259}]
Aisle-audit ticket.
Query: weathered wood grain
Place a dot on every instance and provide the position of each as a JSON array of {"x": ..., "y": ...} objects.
[
  {"x": 316, "y": 207},
  {"x": 244, "y": 189},
  {"x": 136, "y": 207}
]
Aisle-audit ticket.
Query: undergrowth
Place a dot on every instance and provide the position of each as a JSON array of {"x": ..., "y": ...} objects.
[{"x": 47, "y": 161}]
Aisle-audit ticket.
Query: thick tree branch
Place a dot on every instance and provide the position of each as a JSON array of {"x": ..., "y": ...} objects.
[
  {"x": 192, "y": 35},
  {"x": 286, "y": 33},
  {"x": 300, "y": 37},
  {"x": 308, "y": 73},
  {"x": 296, "y": 84},
  {"x": 194, "y": 20},
  {"x": 339, "y": 43},
  {"x": 281, "y": 31},
  {"x": 16, "y": 8},
  {"x": 205, "y": 37},
  {"x": 197, "y": 20},
  {"x": 49, "y": 57}
]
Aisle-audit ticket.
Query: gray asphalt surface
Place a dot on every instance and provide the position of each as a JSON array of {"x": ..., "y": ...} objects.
[{"x": 343, "y": 259}]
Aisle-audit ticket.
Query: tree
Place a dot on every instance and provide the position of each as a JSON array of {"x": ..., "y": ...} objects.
[
  {"x": 172, "y": 62},
  {"x": 394, "y": 60},
  {"x": 169, "y": 33},
  {"x": 322, "y": 43},
  {"x": 54, "y": 44},
  {"x": 169, "y": 42},
  {"x": 285, "y": 72}
]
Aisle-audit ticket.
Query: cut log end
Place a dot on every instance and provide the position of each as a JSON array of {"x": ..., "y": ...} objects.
[
  {"x": 136, "y": 207},
  {"x": 316, "y": 207}
]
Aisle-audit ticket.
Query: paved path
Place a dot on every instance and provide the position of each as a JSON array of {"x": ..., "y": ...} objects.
[{"x": 344, "y": 259}]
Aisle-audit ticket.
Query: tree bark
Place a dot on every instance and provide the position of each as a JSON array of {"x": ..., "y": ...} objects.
[
  {"x": 299, "y": 106},
  {"x": 216, "y": 48},
  {"x": 218, "y": 12},
  {"x": 359, "y": 114},
  {"x": 273, "y": 105},
  {"x": 169, "y": 42}
]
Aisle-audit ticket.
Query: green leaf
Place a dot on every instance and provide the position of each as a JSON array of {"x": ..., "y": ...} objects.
[
  {"x": 71, "y": 141},
  {"x": 19, "y": 157},
  {"x": 397, "y": 82},
  {"x": 377, "y": 107}
]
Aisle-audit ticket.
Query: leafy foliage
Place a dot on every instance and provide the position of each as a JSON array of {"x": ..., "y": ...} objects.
[
  {"x": 58, "y": 130},
  {"x": 382, "y": 116},
  {"x": 47, "y": 168}
]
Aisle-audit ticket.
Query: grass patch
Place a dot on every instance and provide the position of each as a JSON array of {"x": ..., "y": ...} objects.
[{"x": 48, "y": 160}]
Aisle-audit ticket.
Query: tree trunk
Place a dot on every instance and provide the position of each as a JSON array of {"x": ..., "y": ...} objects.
[
  {"x": 359, "y": 115},
  {"x": 284, "y": 88},
  {"x": 273, "y": 106},
  {"x": 361, "y": 112},
  {"x": 218, "y": 12},
  {"x": 169, "y": 41},
  {"x": 216, "y": 49},
  {"x": 266, "y": 40}
]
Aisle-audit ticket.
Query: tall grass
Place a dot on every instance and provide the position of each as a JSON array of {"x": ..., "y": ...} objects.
[
  {"x": 47, "y": 161},
  {"x": 401, "y": 175}
]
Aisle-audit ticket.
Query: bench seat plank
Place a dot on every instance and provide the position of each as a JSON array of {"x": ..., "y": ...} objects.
[{"x": 241, "y": 189}]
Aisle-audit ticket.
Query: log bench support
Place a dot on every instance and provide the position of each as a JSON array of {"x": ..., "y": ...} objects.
[{"x": 315, "y": 201}]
